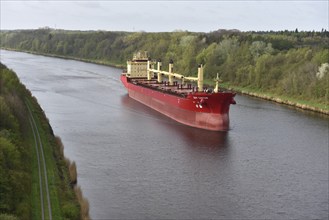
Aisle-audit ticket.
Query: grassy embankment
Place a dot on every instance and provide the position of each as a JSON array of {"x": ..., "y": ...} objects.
[
  {"x": 281, "y": 99},
  {"x": 19, "y": 175},
  {"x": 299, "y": 103},
  {"x": 94, "y": 61},
  {"x": 286, "y": 100},
  {"x": 290, "y": 67}
]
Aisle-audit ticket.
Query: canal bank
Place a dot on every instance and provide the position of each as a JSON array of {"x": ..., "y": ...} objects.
[
  {"x": 37, "y": 180},
  {"x": 301, "y": 104},
  {"x": 135, "y": 163}
]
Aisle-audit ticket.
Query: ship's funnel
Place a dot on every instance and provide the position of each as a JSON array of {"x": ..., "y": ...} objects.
[{"x": 200, "y": 78}]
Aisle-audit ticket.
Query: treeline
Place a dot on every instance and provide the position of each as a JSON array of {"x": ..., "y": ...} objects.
[
  {"x": 15, "y": 156},
  {"x": 289, "y": 63},
  {"x": 17, "y": 181}
]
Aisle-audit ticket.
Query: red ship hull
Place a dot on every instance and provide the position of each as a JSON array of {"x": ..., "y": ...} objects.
[{"x": 203, "y": 110}]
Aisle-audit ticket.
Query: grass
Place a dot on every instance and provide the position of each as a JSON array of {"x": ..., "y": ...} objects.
[
  {"x": 67, "y": 201},
  {"x": 292, "y": 101},
  {"x": 72, "y": 181},
  {"x": 23, "y": 201},
  {"x": 36, "y": 203},
  {"x": 51, "y": 169},
  {"x": 83, "y": 202},
  {"x": 95, "y": 61}
]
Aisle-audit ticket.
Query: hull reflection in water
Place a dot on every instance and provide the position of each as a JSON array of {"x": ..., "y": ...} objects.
[
  {"x": 200, "y": 138},
  {"x": 197, "y": 107},
  {"x": 135, "y": 163}
]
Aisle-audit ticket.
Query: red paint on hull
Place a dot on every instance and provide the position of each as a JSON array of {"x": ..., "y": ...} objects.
[{"x": 196, "y": 109}]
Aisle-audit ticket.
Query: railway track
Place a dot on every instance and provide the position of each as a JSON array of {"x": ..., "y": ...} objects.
[{"x": 42, "y": 169}]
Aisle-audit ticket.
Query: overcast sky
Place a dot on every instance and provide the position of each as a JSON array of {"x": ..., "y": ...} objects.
[{"x": 157, "y": 16}]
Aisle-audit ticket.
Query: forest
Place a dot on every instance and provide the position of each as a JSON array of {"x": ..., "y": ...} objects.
[
  {"x": 18, "y": 168},
  {"x": 286, "y": 63},
  {"x": 15, "y": 163}
]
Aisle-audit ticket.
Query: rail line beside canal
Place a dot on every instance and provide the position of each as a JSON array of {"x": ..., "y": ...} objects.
[{"x": 42, "y": 168}]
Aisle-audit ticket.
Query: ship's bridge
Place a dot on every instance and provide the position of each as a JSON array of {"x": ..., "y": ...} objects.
[
  {"x": 141, "y": 55},
  {"x": 137, "y": 67}
]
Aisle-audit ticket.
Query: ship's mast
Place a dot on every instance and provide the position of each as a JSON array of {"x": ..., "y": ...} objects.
[
  {"x": 171, "y": 74},
  {"x": 217, "y": 80},
  {"x": 150, "y": 66},
  {"x": 200, "y": 78},
  {"x": 159, "y": 69},
  {"x": 171, "y": 71}
]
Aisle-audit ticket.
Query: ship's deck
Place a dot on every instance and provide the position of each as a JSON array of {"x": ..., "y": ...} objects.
[{"x": 175, "y": 89}]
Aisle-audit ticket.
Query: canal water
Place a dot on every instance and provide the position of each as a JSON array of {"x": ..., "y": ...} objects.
[{"x": 134, "y": 163}]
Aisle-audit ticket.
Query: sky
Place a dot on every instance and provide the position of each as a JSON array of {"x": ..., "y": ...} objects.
[{"x": 165, "y": 16}]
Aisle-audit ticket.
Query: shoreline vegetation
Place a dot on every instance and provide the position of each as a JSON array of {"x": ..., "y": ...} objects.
[
  {"x": 304, "y": 105},
  {"x": 290, "y": 67},
  {"x": 19, "y": 176},
  {"x": 300, "y": 104}
]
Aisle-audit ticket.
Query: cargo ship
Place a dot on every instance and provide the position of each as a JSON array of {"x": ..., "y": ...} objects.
[{"x": 175, "y": 95}]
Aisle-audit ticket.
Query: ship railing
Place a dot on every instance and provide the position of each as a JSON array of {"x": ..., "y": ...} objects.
[{"x": 165, "y": 88}]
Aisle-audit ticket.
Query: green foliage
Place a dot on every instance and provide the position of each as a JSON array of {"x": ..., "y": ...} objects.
[
  {"x": 291, "y": 64},
  {"x": 258, "y": 48},
  {"x": 61, "y": 190},
  {"x": 16, "y": 156},
  {"x": 8, "y": 217},
  {"x": 7, "y": 119},
  {"x": 283, "y": 62},
  {"x": 15, "y": 180},
  {"x": 70, "y": 211}
]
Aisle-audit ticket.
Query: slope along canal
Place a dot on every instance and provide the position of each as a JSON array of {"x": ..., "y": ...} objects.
[{"x": 134, "y": 163}]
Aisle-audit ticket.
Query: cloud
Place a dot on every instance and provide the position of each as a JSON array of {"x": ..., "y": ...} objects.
[
  {"x": 88, "y": 4},
  {"x": 165, "y": 15}
]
